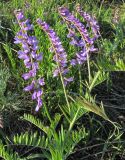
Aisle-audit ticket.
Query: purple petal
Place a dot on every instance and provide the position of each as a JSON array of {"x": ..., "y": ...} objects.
[
  {"x": 92, "y": 49},
  {"x": 37, "y": 108},
  {"x": 34, "y": 95},
  {"x": 65, "y": 71},
  {"x": 32, "y": 72},
  {"x": 67, "y": 80},
  {"x": 17, "y": 40},
  {"x": 73, "y": 42},
  {"x": 23, "y": 56},
  {"x": 38, "y": 105},
  {"x": 35, "y": 47},
  {"x": 26, "y": 60},
  {"x": 35, "y": 66}
]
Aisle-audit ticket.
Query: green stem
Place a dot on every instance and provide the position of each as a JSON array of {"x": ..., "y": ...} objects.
[
  {"x": 94, "y": 80},
  {"x": 64, "y": 114},
  {"x": 80, "y": 82},
  {"x": 64, "y": 89},
  {"x": 101, "y": 7},
  {"x": 74, "y": 119},
  {"x": 88, "y": 64}
]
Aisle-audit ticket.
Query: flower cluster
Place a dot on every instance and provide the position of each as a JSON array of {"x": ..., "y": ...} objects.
[
  {"x": 30, "y": 57},
  {"x": 91, "y": 22},
  {"x": 64, "y": 12},
  {"x": 85, "y": 42},
  {"x": 60, "y": 56}
]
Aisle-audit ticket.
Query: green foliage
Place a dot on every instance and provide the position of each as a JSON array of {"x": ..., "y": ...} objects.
[
  {"x": 97, "y": 78},
  {"x": 4, "y": 76},
  {"x": 31, "y": 140},
  {"x": 7, "y": 154},
  {"x": 76, "y": 111},
  {"x": 7, "y": 98},
  {"x": 10, "y": 56},
  {"x": 92, "y": 107},
  {"x": 37, "y": 122},
  {"x": 57, "y": 145}
]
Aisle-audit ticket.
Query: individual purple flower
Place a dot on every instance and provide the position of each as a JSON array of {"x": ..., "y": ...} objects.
[
  {"x": 29, "y": 87},
  {"x": 34, "y": 95},
  {"x": 39, "y": 57},
  {"x": 37, "y": 96},
  {"x": 60, "y": 56},
  {"x": 67, "y": 80},
  {"x": 73, "y": 62},
  {"x": 81, "y": 56},
  {"x": 20, "y": 15},
  {"x": 29, "y": 55},
  {"x": 41, "y": 81}
]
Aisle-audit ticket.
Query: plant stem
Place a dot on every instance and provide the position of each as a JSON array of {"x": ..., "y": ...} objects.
[
  {"x": 94, "y": 80},
  {"x": 74, "y": 119},
  {"x": 64, "y": 89},
  {"x": 101, "y": 7},
  {"x": 89, "y": 72},
  {"x": 80, "y": 82}
]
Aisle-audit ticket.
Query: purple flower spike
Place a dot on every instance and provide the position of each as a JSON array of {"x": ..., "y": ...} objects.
[
  {"x": 30, "y": 57},
  {"x": 60, "y": 56}
]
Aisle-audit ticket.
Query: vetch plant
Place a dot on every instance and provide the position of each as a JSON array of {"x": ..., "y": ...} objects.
[
  {"x": 60, "y": 56},
  {"x": 57, "y": 137}
]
